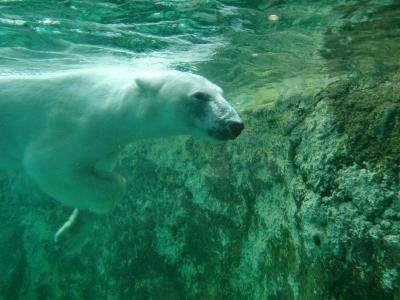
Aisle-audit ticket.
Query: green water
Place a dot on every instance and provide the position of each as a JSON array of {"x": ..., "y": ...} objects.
[
  {"x": 235, "y": 221},
  {"x": 232, "y": 42}
]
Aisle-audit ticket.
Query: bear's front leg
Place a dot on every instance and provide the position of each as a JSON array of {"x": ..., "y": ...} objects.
[
  {"x": 75, "y": 232},
  {"x": 67, "y": 226},
  {"x": 77, "y": 184}
]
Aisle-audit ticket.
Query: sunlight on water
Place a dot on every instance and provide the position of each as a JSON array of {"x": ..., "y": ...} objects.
[
  {"x": 263, "y": 57},
  {"x": 266, "y": 50},
  {"x": 68, "y": 34}
]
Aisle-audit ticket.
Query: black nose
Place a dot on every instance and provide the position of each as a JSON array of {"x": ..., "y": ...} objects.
[{"x": 236, "y": 128}]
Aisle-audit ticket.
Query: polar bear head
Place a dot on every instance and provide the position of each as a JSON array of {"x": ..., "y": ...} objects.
[{"x": 185, "y": 103}]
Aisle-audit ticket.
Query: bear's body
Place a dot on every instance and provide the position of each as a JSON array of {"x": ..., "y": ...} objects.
[{"x": 66, "y": 130}]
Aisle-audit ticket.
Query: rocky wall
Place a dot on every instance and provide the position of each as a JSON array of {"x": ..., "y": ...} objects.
[{"x": 305, "y": 204}]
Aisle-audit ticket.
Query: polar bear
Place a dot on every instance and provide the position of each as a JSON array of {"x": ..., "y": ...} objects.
[{"x": 65, "y": 130}]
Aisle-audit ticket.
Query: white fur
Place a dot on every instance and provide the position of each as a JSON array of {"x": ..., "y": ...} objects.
[{"x": 66, "y": 130}]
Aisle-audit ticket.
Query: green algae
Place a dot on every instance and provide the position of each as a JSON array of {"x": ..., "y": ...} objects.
[{"x": 374, "y": 124}]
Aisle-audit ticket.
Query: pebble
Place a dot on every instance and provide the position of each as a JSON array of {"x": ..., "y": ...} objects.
[{"x": 273, "y": 18}]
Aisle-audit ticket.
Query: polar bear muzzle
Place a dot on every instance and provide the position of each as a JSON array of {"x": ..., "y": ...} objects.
[
  {"x": 235, "y": 128},
  {"x": 230, "y": 131}
]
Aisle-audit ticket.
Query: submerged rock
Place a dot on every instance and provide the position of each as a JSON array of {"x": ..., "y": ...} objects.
[{"x": 304, "y": 205}]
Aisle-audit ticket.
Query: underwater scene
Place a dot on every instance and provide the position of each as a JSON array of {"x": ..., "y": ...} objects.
[{"x": 199, "y": 149}]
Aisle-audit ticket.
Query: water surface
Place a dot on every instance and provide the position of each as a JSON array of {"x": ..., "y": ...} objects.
[{"x": 255, "y": 57}]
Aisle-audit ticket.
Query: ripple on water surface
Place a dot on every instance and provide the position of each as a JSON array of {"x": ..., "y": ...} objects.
[{"x": 258, "y": 51}]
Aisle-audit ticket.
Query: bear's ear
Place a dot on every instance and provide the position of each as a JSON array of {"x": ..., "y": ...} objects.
[{"x": 148, "y": 85}]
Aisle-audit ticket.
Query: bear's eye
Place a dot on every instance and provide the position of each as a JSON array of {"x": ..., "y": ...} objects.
[{"x": 201, "y": 96}]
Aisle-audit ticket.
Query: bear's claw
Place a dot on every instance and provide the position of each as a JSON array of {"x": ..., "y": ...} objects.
[
  {"x": 66, "y": 226},
  {"x": 74, "y": 233}
]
